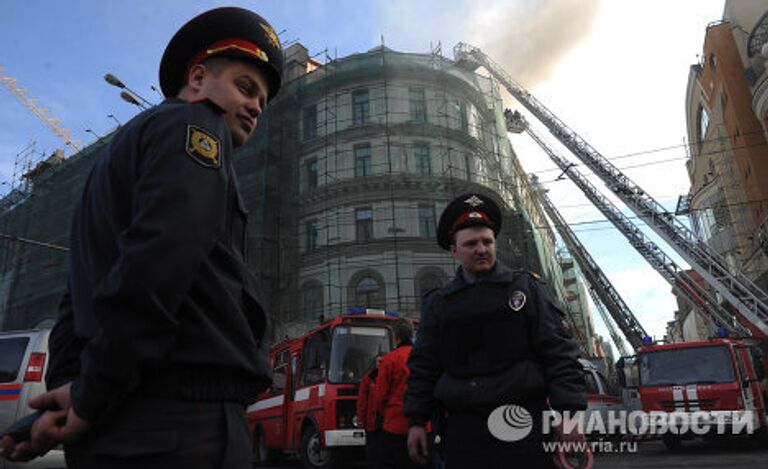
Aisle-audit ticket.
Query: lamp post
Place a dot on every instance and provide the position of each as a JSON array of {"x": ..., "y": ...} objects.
[
  {"x": 127, "y": 94},
  {"x": 98, "y": 137},
  {"x": 112, "y": 116},
  {"x": 154, "y": 88},
  {"x": 131, "y": 98}
]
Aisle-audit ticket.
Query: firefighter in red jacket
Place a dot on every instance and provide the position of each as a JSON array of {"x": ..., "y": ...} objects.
[
  {"x": 390, "y": 391},
  {"x": 367, "y": 416}
]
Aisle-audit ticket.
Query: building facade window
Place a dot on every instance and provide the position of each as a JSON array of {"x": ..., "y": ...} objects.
[
  {"x": 703, "y": 123},
  {"x": 364, "y": 224},
  {"x": 312, "y": 234},
  {"x": 369, "y": 293},
  {"x": 468, "y": 166},
  {"x": 360, "y": 107},
  {"x": 362, "y": 160},
  {"x": 704, "y": 223},
  {"x": 463, "y": 120},
  {"x": 311, "y": 167},
  {"x": 309, "y": 121},
  {"x": 427, "y": 220},
  {"x": 758, "y": 37},
  {"x": 423, "y": 159},
  {"x": 418, "y": 105},
  {"x": 311, "y": 300}
]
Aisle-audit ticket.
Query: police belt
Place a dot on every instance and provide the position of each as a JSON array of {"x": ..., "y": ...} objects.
[{"x": 202, "y": 383}]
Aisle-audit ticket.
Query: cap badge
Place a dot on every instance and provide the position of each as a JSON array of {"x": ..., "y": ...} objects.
[
  {"x": 517, "y": 301},
  {"x": 270, "y": 34},
  {"x": 203, "y": 147},
  {"x": 474, "y": 201},
  {"x": 475, "y": 215}
]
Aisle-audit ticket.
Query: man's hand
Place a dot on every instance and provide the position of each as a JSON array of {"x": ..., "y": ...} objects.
[
  {"x": 17, "y": 452},
  {"x": 417, "y": 444},
  {"x": 56, "y": 426}
]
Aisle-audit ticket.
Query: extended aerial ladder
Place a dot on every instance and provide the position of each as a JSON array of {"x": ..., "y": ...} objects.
[
  {"x": 601, "y": 289},
  {"x": 681, "y": 282},
  {"x": 748, "y": 299},
  {"x": 615, "y": 336}
]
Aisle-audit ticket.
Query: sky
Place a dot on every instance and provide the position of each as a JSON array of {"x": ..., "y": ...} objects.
[{"x": 615, "y": 71}]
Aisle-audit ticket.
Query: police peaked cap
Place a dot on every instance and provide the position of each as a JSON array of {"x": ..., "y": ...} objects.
[
  {"x": 465, "y": 211},
  {"x": 222, "y": 32}
]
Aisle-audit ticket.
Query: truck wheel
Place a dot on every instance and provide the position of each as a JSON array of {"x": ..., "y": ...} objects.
[{"x": 313, "y": 454}]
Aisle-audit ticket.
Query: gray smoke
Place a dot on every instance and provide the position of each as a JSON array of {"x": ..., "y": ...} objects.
[{"x": 529, "y": 37}]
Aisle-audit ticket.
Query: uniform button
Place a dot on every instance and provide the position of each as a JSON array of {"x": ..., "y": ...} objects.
[{"x": 473, "y": 383}]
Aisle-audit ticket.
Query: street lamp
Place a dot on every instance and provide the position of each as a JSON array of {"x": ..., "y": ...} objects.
[
  {"x": 94, "y": 133},
  {"x": 127, "y": 94},
  {"x": 154, "y": 88},
  {"x": 129, "y": 97},
  {"x": 112, "y": 116}
]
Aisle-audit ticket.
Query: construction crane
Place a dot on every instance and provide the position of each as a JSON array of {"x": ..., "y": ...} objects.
[
  {"x": 602, "y": 290},
  {"x": 675, "y": 275},
  {"x": 31, "y": 103},
  {"x": 748, "y": 299}
]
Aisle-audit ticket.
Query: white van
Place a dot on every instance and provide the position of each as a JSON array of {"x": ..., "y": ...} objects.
[
  {"x": 603, "y": 396},
  {"x": 23, "y": 362}
]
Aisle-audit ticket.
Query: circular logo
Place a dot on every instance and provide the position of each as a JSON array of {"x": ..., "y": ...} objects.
[{"x": 510, "y": 423}]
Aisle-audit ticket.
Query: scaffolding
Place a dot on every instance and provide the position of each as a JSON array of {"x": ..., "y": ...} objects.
[
  {"x": 380, "y": 142},
  {"x": 345, "y": 179}
]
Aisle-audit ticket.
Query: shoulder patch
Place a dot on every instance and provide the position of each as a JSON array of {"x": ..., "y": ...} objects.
[
  {"x": 517, "y": 301},
  {"x": 203, "y": 147}
]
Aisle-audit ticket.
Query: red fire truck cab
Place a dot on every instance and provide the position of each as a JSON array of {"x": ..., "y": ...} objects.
[
  {"x": 716, "y": 376},
  {"x": 311, "y": 406}
]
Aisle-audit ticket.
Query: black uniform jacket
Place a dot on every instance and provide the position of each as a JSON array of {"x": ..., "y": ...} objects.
[
  {"x": 497, "y": 341},
  {"x": 160, "y": 299}
]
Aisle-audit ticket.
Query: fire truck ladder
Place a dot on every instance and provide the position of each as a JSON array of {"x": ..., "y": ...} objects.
[
  {"x": 615, "y": 336},
  {"x": 602, "y": 291},
  {"x": 681, "y": 282},
  {"x": 750, "y": 301}
]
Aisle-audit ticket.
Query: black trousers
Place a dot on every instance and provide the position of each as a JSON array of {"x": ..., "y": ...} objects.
[
  {"x": 394, "y": 452},
  {"x": 150, "y": 433},
  {"x": 373, "y": 449},
  {"x": 469, "y": 445}
]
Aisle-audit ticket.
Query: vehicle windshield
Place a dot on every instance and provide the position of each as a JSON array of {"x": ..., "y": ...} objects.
[
  {"x": 353, "y": 351},
  {"x": 11, "y": 354},
  {"x": 695, "y": 365}
]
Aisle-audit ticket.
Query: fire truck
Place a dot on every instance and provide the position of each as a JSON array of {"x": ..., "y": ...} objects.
[
  {"x": 719, "y": 375},
  {"x": 311, "y": 406}
]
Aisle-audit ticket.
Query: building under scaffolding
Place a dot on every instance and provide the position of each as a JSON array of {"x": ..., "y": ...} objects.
[{"x": 349, "y": 170}]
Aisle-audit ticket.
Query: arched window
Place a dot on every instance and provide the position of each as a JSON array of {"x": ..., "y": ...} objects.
[
  {"x": 428, "y": 279},
  {"x": 367, "y": 290},
  {"x": 311, "y": 300},
  {"x": 703, "y": 123},
  {"x": 758, "y": 37}
]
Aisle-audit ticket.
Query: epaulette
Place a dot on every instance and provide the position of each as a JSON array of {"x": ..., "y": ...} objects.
[
  {"x": 213, "y": 106},
  {"x": 531, "y": 274}
]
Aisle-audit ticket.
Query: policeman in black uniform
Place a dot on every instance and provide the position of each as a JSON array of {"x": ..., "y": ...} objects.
[
  {"x": 161, "y": 340},
  {"x": 490, "y": 338}
]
